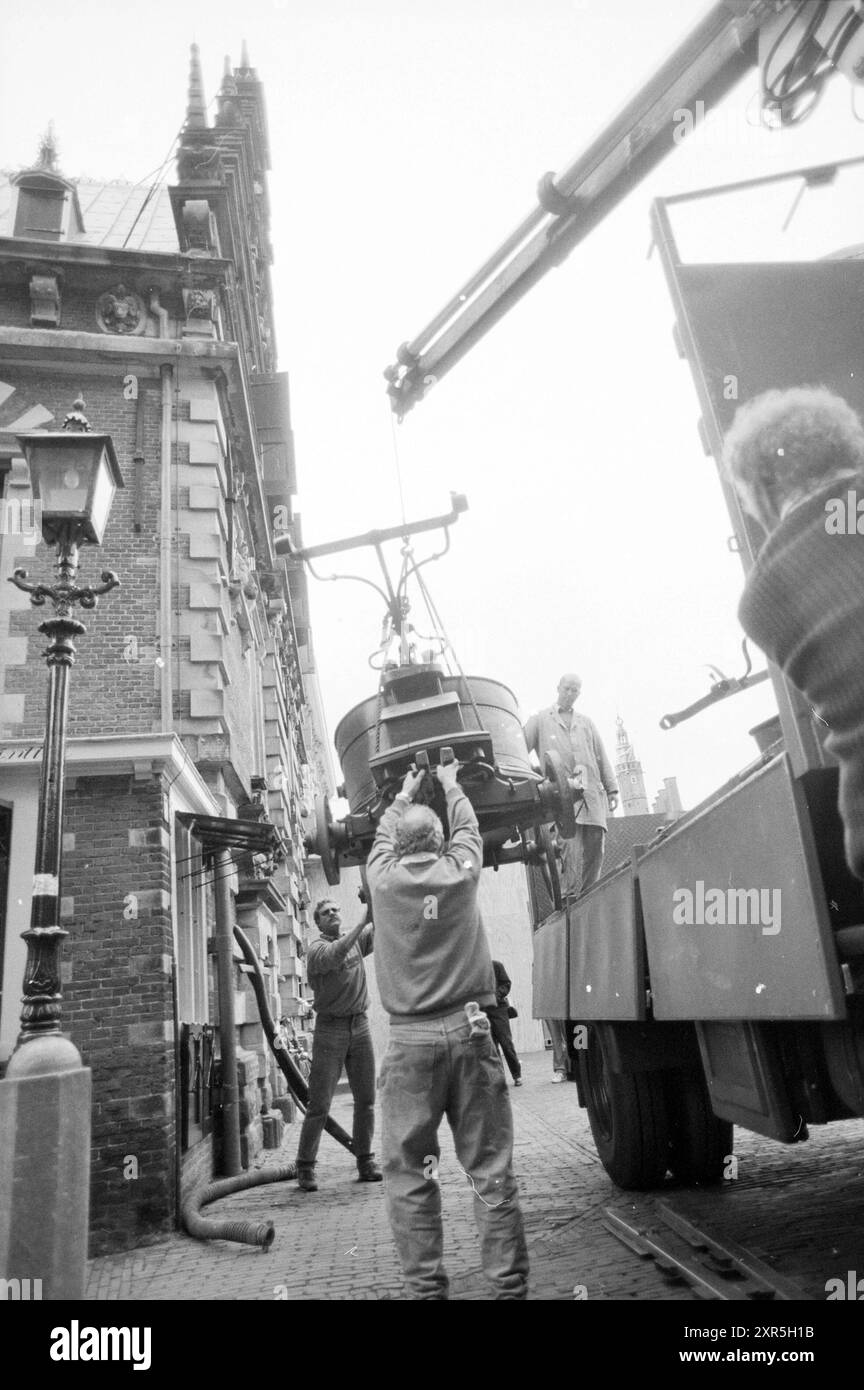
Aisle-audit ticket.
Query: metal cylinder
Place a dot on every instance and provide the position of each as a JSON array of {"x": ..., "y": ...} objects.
[{"x": 357, "y": 739}]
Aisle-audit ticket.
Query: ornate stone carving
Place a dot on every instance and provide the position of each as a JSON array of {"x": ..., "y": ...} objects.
[
  {"x": 121, "y": 311},
  {"x": 200, "y": 306},
  {"x": 45, "y": 300},
  {"x": 242, "y": 583}
]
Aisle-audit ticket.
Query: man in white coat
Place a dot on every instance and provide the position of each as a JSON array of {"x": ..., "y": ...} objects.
[{"x": 576, "y": 740}]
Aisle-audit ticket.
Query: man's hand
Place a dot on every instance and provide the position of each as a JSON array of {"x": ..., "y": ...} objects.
[
  {"x": 613, "y": 801},
  {"x": 446, "y": 774},
  {"x": 411, "y": 785}
]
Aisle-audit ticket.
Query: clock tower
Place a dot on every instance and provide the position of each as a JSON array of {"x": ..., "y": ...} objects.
[{"x": 631, "y": 781}]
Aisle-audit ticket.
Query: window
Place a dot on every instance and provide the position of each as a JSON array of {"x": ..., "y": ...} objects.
[
  {"x": 193, "y": 918},
  {"x": 40, "y": 213}
]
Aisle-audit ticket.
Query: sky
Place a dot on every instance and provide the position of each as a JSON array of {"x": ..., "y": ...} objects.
[{"x": 407, "y": 142}]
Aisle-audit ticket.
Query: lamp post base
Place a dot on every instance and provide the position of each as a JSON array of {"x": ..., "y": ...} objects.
[
  {"x": 45, "y": 1055},
  {"x": 45, "y": 1169}
]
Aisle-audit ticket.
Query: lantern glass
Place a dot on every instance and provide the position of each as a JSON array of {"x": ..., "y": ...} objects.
[
  {"x": 61, "y": 479},
  {"x": 103, "y": 496},
  {"x": 74, "y": 476}
]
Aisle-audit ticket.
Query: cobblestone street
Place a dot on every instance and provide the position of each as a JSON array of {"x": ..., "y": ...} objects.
[{"x": 799, "y": 1208}]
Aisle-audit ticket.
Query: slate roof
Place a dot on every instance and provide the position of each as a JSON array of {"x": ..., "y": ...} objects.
[{"x": 135, "y": 216}]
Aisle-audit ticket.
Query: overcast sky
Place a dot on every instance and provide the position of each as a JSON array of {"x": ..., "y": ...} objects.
[{"x": 407, "y": 142}]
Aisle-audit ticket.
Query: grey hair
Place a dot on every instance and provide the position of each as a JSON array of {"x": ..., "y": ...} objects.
[
  {"x": 418, "y": 832},
  {"x": 783, "y": 445}
]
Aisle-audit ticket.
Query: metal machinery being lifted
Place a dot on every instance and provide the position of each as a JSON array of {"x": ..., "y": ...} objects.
[
  {"x": 684, "y": 1032},
  {"x": 427, "y": 711}
]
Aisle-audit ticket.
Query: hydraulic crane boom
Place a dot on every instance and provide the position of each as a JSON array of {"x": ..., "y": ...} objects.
[{"x": 712, "y": 58}]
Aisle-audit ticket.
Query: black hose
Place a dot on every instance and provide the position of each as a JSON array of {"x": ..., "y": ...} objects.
[
  {"x": 246, "y": 1232},
  {"x": 290, "y": 1070}
]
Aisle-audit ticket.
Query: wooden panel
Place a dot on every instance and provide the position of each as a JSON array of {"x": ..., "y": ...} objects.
[
  {"x": 607, "y": 953},
  {"x": 550, "y": 968},
  {"x": 769, "y": 957}
]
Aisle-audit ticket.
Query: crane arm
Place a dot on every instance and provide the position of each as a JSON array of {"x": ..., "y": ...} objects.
[{"x": 709, "y": 61}]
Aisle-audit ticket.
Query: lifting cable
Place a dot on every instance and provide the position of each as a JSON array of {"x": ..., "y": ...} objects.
[
  {"x": 396, "y": 461},
  {"x": 410, "y": 567},
  {"x": 438, "y": 624}
]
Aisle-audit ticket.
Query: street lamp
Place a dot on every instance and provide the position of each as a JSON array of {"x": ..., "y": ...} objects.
[
  {"x": 74, "y": 475},
  {"x": 45, "y": 1095}
]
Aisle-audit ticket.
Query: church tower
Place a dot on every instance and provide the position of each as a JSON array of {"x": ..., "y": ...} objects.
[{"x": 634, "y": 801}]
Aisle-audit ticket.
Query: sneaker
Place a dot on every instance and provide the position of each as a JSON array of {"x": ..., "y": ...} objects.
[
  {"x": 306, "y": 1177},
  {"x": 558, "y": 1076},
  {"x": 517, "y": 1081},
  {"x": 368, "y": 1171}
]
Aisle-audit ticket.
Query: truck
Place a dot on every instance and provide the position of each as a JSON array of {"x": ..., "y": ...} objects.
[{"x": 715, "y": 978}]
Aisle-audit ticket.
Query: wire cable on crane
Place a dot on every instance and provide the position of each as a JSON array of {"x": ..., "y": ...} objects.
[
  {"x": 804, "y": 73},
  {"x": 438, "y": 624},
  {"x": 397, "y": 463}
]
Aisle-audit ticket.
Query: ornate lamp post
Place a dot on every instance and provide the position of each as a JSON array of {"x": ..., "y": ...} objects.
[{"x": 74, "y": 474}]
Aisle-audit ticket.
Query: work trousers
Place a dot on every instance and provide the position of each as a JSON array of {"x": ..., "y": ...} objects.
[
  {"x": 581, "y": 859},
  {"x": 340, "y": 1042},
  {"x": 433, "y": 1068},
  {"x": 502, "y": 1037},
  {"x": 558, "y": 1034}
]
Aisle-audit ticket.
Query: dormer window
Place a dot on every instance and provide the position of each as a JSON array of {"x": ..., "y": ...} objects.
[{"x": 47, "y": 206}]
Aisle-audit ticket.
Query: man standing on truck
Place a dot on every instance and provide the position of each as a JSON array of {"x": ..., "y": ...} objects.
[
  {"x": 574, "y": 737},
  {"x": 576, "y": 740},
  {"x": 342, "y": 1037},
  {"x": 434, "y": 968}
]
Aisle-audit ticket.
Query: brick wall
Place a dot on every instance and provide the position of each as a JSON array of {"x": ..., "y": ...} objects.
[
  {"x": 118, "y": 995},
  {"x": 118, "y": 1000},
  {"x": 78, "y": 305},
  {"x": 114, "y": 685}
]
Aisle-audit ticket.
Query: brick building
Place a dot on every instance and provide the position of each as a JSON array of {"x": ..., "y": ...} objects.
[{"x": 194, "y": 700}]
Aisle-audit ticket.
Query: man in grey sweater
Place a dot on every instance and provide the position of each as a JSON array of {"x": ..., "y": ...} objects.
[
  {"x": 433, "y": 959},
  {"x": 797, "y": 460},
  {"x": 342, "y": 1038}
]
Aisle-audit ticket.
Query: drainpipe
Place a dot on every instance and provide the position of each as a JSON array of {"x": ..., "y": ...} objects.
[
  {"x": 223, "y": 869},
  {"x": 159, "y": 313},
  {"x": 165, "y": 687}
]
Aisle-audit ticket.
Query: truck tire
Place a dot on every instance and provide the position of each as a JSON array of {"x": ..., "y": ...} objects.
[
  {"x": 628, "y": 1115},
  {"x": 700, "y": 1141}
]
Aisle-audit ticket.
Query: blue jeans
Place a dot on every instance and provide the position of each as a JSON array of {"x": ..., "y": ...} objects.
[
  {"x": 340, "y": 1042},
  {"x": 430, "y": 1070}
]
